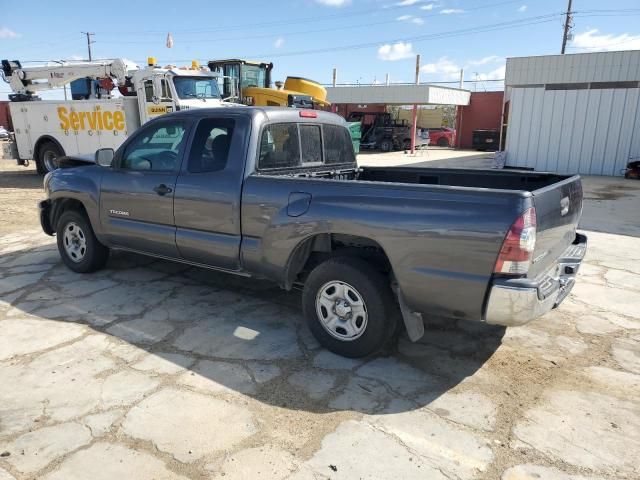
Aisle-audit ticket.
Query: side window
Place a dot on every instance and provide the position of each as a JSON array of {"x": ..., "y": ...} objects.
[
  {"x": 311, "y": 143},
  {"x": 279, "y": 146},
  {"x": 210, "y": 146},
  {"x": 155, "y": 149},
  {"x": 148, "y": 91},
  {"x": 338, "y": 147}
]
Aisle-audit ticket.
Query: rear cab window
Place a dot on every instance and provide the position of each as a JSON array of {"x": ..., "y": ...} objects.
[{"x": 293, "y": 145}]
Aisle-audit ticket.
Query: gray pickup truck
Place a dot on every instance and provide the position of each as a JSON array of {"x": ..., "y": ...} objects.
[{"x": 277, "y": 194}]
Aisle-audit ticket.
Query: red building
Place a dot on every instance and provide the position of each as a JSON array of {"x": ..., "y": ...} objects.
[
  {"x": 482, "y": 113},
  {"x": 5, "y": 119}
]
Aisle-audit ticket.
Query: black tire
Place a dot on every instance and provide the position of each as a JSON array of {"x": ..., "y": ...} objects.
[
  {"x": 406, "y": 144},
  {"x": 386, "y": 145},
  {"x": 382, "y": 312},
  {"x": 48, "y": 153},
  {"x": 443, "y": 142},
  {"x": 93, "y": 257}
]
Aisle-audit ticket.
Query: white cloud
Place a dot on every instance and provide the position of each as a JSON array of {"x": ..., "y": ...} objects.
[
  {"x": 449, "y": 11},
  {"x": 442, "y": 68},
  {"x": 428, "y": 6},
  {"x": 592, "y": 41},
  {"x": 279, "y": 42},
  {"x": 76, "y": 57},
  {"x": 497, "y": 74},
  {"x": 410, "y": 19},
  {"x": 8, "y": 33},
  {"x": 485, "y": 60},
  {"x": 334, "y": 3},
  {"x": 397, "y": 51},
  {"x": 522, "y": 8},
  {"x": 406, "y": 3}
]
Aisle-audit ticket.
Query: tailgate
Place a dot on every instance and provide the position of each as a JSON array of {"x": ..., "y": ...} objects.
[{"x": 558, "y": 209}]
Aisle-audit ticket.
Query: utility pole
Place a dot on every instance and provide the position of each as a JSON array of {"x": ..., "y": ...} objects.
[
  {"x": 567, "y": 28},
  {"x": 89, "y": 42},
  {"x": 414, "y": 117}
]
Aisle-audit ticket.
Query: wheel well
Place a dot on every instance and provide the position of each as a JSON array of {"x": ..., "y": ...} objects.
[
  {"x": 62, "y": 205},
  {"x": 42, "y": 140},
  {"x": 318, "y": 248}
]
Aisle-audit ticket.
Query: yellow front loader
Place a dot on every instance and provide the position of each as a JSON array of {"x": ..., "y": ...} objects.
[{"x": 249, "y": 82}]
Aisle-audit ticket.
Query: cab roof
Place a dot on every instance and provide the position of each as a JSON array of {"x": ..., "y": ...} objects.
[{"x": 270, "y": 114}]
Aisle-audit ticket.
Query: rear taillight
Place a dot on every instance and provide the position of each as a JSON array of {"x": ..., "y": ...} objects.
[{"x": 518, "y": 245}]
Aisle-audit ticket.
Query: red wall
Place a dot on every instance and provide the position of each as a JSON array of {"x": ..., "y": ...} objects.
[
  {"x": 482, "y": 113},
  {"x": 5, "y": 121},
  {"x": 344, "y": 109}
]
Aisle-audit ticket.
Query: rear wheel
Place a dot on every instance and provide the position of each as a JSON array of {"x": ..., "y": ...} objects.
[
  {"x": 78, "y": 246},
  {"x": 48, "y": 155},
  {"x": 386, "y": 145},
  {"x": 349, "y": 307},
  {"x": 443, "y": 142}
]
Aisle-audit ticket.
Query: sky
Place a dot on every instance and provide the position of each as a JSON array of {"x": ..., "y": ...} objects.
[{"x": 363, "y": 39}]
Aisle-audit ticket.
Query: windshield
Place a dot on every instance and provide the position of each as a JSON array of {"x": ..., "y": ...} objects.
[
  {"x": 196, "y": 87},
  {"x": 253, "y": 76}
]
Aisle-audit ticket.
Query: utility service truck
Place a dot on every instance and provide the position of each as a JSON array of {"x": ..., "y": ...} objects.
[{"x": 45, "y": 130}]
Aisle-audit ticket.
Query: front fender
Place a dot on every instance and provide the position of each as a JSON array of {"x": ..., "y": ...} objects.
[{"x": 81, "y": 184}]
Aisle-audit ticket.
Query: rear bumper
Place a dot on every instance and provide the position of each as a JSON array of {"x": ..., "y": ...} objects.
[
  {"x": 45, "y": 216},
  {"x": 515, "y": 302}
]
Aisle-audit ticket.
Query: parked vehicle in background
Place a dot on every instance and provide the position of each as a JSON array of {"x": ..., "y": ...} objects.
[
  {"x": 4, "y": 133},
  {"x": 485, "y": 139},
  {"x": 379, "y": 130},
  {"x": 442, "y": 136},
  {"x": 46, "y": 130},
  {"x": 277, "y": 194}
]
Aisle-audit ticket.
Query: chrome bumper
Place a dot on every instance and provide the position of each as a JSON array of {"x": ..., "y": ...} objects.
[{"x": 516, "y": 302}]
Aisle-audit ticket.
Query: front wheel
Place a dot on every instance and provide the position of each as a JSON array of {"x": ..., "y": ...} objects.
[
  {"x": 349, "y": 307},
  {"x": 78, "y": 246}
]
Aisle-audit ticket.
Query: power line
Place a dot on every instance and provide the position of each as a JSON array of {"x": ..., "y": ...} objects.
[
  {"x": 454, "y": 33},
  {"x": 314, "y": 18},
  {"x": 307, "y": 31},
  {"x": 300, "y": 32}
]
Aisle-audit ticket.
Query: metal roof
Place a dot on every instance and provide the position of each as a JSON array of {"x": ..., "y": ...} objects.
[
  {"x": 573, "y": 68},
  {"x": 422, "y": 94}
]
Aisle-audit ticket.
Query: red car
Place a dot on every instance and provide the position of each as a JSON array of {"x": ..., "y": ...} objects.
[{"x": 442, "y": 137}]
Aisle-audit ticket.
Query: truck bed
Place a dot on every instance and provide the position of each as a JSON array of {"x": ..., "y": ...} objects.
[{"x": 494, "y": 179}]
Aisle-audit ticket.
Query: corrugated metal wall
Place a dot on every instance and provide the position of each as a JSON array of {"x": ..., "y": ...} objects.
[
  {"x": 581, "y": 67},
  {"x": 589, "y": 131}
]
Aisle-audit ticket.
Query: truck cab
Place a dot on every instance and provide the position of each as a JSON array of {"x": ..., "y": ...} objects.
[
  {"x": 166, "y": 90},
  {"x": 249, "y": 82}
]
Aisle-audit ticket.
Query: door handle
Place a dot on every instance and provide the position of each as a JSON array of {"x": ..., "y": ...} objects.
[{"x": 162, "y": 189}]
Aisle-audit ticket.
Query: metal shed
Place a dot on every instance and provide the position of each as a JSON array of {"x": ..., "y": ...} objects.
[{"x": 573, "y": 113}]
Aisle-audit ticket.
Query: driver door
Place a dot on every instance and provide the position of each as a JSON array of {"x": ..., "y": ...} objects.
[
  {"x": 155, "y": 103},
  {"x": 136, "y": 198}
]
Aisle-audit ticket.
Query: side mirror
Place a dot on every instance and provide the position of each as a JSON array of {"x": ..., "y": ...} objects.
[{"x": 104, "y": 157}]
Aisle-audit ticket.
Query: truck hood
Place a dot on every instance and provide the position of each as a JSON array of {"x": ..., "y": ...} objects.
[
  {"x": 76, "y": 160},
  {"x": 205, "y": 103}
]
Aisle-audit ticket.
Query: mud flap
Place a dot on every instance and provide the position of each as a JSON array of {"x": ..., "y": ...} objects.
[{"x": 412, "y": 320}]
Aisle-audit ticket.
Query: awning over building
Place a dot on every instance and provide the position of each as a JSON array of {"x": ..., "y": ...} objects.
[{"x": 399, "y": 95}]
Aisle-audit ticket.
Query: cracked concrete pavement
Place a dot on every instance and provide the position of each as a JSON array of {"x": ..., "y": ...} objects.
[{"x": 153, "y": 370}]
